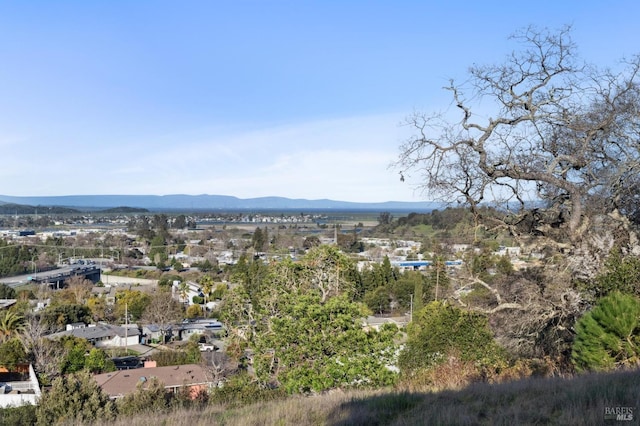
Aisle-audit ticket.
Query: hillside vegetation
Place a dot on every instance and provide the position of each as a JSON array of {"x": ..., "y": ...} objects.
[{"x": 555, "y": 401}]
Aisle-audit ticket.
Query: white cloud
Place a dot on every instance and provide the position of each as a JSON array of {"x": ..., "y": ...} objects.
[{"x": 342, "y": 159}]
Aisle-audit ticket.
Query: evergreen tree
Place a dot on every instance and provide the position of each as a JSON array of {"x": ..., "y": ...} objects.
[
  {"x": 75, "y": 351},
  {"x": 158, "y": 250},
  {"x": 438, "y": 277},
  {"x": 74, "y": 399},
  {"x": 180, "y": 222},
  {"x": 608, "y": 336},
  {"x": 378, "y": 300},
  {"x": 314, "y": 346},
  {"x": 56, "y": 317},
  {"x": 388, "y": 273},
  {"x": 257, "y": 241}
]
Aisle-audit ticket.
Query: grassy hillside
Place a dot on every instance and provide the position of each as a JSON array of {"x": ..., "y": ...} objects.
[{"x": 577, "y": 401}]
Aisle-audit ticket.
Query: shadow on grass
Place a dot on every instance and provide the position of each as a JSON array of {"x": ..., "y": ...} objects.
[
  {"x": 589, "y": 399},
  {"x": 374, "y": 410}
]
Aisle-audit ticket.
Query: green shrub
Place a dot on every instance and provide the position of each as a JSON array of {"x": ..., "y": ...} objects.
[
  {"x": 12, "y": 353},
  {"x": 97, "y": 361},
  {"x": 188, "y": 354},
  {"x": 153, "y": 398},
  {"x": 18, "y": 416},
  {"x": 74, "y": 398},
  {"x": 241, "y": 390},
  {"x": 440, "y": 330}
]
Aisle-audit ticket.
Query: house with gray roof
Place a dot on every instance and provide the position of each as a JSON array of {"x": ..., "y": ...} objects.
[{"x": 103, "y": 335}]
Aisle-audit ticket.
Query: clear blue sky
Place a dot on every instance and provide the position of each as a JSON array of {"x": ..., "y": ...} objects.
[{"x": 300, "y": 99}]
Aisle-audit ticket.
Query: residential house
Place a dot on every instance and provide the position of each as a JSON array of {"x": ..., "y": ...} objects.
[
  {"x": 375, "y": 322},
  {"x": 153, "y": 333},
  {"x": 19, "y": 386},
  {"x": 205, "y": 327},
  {"x": 102, "y": 335},
  {"x": 117, "y": 384}
]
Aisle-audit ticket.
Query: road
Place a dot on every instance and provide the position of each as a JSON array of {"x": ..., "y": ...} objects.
[
  {"x": 54, "y": 274},
  {"x": 51, "y": 275}
]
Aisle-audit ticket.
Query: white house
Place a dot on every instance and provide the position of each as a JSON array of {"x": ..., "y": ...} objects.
[{"x": 19, "y": 388}]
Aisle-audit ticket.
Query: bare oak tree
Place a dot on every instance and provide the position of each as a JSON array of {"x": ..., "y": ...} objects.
[
  {"x": 79, "y": 289},
  {"x": 541, "y": 126},
  {"x": 163, "y": 310},
  {"x": 45, "y": 354},
  {"x": 554, "y": 143}
]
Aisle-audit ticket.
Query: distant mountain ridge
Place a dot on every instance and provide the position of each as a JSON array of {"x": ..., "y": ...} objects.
[{"x": 209, "y": 202}]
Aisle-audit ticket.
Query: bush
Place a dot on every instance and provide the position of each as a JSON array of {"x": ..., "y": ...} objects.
[
  {"x": 167, "y": 280},
  {"x": 219, "y": 291},
  {"x": 151, "y": 399},
  {"x": 450, "y": 374},
  {"x": 18, "y": 416},
  {"x": 97, "y": 361},
  {"x": 7, "y": 292},
  {"x": 12, "y": 353},
  {"x": 74, "y": 397},
  {"x": 440, "y": 330},
  {"x": 194, "y": 311},
  {"x": 188, "y": 354},
  {"x": 241, "y": 390}
]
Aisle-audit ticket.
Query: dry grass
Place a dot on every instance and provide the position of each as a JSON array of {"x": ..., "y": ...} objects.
[{"x": 577, "y": 401}]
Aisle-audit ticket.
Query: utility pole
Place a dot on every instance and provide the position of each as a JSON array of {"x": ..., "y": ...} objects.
[
  {"x": 126, "y": 329},
  {"x": 438, "y": 265},
  {"x": 411, "y": 310}
]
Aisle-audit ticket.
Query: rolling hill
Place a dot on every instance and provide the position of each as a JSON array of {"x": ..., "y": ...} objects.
[{"x": 208, "y": 202}]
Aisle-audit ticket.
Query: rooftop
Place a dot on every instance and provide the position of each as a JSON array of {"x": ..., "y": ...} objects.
[{"x": 120, "y": 383}]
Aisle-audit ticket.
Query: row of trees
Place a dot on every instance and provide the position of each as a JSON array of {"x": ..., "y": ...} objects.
[{"x": 487, "y": 314}]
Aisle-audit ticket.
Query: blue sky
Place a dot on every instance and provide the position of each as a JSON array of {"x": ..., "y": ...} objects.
[{"x": 300, "y": 99}]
